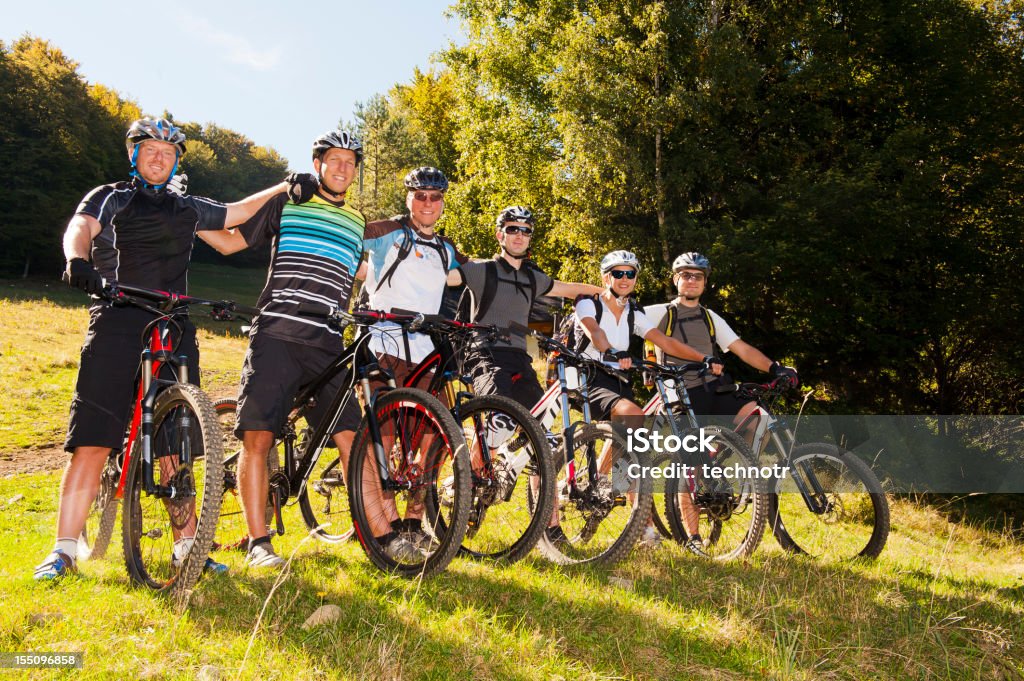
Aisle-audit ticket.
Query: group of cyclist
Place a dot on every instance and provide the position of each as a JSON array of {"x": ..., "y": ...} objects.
[{"x": 142, "y": 231}]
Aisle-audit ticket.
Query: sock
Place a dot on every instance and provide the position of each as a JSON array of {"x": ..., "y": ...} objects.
[
  {"x": 387, "y": 538},
  {"x": 696, "y": 538},
  {"x": 68, "y": 546},
  {"x": 254, "y": 541},
  {"x": 396, "y": 525},
  {"x": 183, "y": 546},
  {"x": 412, "y": 525}
]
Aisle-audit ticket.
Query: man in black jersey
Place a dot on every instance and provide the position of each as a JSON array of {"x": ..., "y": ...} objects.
[{"x": 138, "y": 233}]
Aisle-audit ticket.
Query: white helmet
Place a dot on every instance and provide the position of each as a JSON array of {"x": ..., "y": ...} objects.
[{"x": 617, "y": 259}]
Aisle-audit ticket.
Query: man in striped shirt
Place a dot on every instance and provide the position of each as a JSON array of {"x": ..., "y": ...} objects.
[{"x": 316, "y": 250}]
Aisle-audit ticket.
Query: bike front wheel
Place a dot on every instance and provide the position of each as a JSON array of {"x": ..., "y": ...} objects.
[
  {"x": 602, "y": 506},
  {"x": 167, "y": 536},
  {"x": 418, "y": 449},
  {"x": 723, "y": 499},
  {"x": 514, "y": 491},
  {"x": 829, "y": 505}
]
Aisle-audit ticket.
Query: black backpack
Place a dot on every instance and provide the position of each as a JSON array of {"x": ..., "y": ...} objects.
[{"x": 464, "y": 309}]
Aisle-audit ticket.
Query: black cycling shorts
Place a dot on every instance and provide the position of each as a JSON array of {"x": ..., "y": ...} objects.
[
  {"x": 272, "y": 375},
  {"x": 707, "y": 402},
  {"x": 507, "y": 372},
  {"x": 106, "y": 385},
  {"x": 604, "y": 391}
]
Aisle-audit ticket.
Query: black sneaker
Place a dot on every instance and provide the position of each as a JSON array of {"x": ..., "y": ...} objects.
[{"x": 556, "y": 536}]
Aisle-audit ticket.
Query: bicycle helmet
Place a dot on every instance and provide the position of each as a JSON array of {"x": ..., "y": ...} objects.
[
  {"x": 692, "y": 260},
  {"x": 617, "y": 259},
  {"x": 337, "y": 139},
  {"x": 160, "y": 129},
  {"x": 516, "y": 214},
  {"x": 426, "y": 177}
]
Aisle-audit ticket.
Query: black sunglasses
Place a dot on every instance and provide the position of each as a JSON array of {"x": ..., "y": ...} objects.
[
  {"x": 516, "y": 229},
  {"x": 619, "y": 274}
]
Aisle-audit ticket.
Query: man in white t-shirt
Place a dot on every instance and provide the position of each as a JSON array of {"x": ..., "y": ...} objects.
[{"x": 407, "y": 269}]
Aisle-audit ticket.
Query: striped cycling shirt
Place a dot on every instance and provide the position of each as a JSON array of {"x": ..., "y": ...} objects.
[
  {"x": 316, "y": 249},
  {"x": 146, "y": 236}
]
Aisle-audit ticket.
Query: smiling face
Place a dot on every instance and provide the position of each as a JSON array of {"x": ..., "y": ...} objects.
[
  {"x": 515, "y": 240},
  {"x": 155, "y": 161},
  {"x": 425, "y": 206},
  {"x": 690, "y": 283},
  {"x": 336, "y": 169},
  {"x": 621, "y": 285}
]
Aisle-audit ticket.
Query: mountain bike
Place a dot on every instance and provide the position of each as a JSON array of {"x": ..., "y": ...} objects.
[
  {"x": 601, "y": 508},
  {"x": 513, "y": 477},
  {"x": 171, "y": 459},
  {"x": 713, "y": 494},
  {"x": 829, "y": 504},
  {"x": 406, "y": 445}
]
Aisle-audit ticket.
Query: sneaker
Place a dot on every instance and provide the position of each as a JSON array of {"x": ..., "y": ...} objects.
[
  {"x": 263, "y": 556},
  {"x": 651, "y": 538},
  {"x": 556, "y": 536},
  {"x": 57, "y": 565},
  {"x": 401, "y": 550},
  {"x": 421, "y": 540},
  {"x": 696, "y": 547},
  {"x": 211, "y": 566}
]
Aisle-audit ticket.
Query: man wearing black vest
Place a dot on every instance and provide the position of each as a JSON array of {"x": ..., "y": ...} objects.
[
  {"x": 503, "y": 290},
  {"x": 690, "y": 322}
]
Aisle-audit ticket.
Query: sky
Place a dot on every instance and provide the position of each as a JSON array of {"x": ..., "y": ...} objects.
[{"x": 280, "y": 72}]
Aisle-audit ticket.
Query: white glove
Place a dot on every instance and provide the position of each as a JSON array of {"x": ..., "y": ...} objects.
[{"x": 178, "y": 184}]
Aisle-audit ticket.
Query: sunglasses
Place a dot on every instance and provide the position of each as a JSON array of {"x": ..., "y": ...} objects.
[
  {"x": 691, "y": 276},
  {"x": 516, "y": 229},
  {"x": 432, "y": 197},
  {"x": 619, "y": 274}
]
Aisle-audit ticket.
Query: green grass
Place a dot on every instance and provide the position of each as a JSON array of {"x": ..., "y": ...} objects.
[
  {"x": 940, "y": 603},
  {"x": 945, "y": 600}
]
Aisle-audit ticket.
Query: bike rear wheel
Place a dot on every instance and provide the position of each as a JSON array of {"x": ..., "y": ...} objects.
[
  {"x": 99, "y": 525},
  {"x": 184, "y": 423},
  {"x": 844, "y": 513},
  {"x": 232, "y": 532},
  {"x": 731, "y": 511},
  {"x": 600, "y": 522},
  {"x": 325, "y": 502},
  {"x": 513, "y": 495},
  {"x": 423, "y": 446}
]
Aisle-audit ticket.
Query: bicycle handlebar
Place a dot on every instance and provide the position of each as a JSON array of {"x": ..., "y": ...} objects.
[
  {"x": 576, "y": 358},
  {"x": 223, "y": 310}
]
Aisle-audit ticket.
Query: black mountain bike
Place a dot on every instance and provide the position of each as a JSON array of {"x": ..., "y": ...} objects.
[{"x": 407, "y": 445}]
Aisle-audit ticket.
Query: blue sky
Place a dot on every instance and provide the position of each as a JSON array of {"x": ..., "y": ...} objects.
[{"x": 279, "y": 72}]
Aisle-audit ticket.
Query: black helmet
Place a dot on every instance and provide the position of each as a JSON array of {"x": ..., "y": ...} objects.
[
  {"x": 160, "y": 129},
  {"x": 692, "y": 260},
  {"x": 516, "y": 214},
  {"x": 426, "y": 178},
  {"x": 337, "y": 139}
]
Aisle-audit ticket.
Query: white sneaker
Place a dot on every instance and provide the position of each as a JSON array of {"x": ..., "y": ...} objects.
[
  {"x": 401, "y": 550},
  {"x": 651, "y": 538},
  {"x": 263, "y": 556}
]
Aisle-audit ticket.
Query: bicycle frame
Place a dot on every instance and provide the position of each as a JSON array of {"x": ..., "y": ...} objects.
[{"x": 159, "y": 351}]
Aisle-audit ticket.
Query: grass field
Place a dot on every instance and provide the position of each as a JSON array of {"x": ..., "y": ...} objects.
[{"x": 945, "y": 600}]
